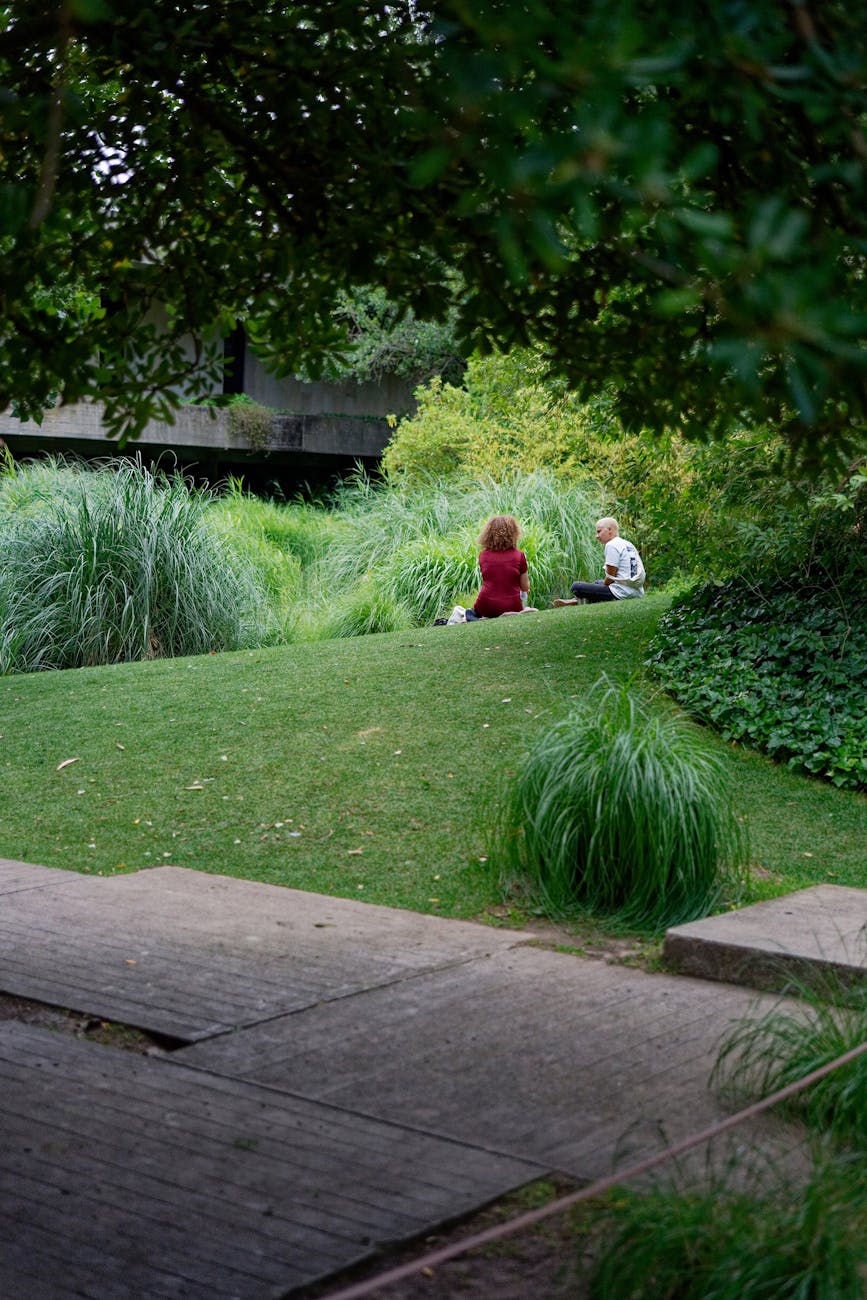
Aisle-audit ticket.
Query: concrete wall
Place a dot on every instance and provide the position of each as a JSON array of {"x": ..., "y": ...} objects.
[{"x": 388, "y": 397}]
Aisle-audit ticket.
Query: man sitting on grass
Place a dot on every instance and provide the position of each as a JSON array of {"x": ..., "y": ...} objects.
[{"x": 624, "y": 572}]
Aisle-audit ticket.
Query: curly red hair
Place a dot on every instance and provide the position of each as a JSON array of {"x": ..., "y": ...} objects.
[{"x": 500, "y": 533}]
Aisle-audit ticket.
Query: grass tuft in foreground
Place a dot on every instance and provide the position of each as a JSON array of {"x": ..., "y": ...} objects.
[
  {"x": 789, "y": 1243},
  {"x": 764, "y": 1054},
  {"x": 621, "y": 812}
]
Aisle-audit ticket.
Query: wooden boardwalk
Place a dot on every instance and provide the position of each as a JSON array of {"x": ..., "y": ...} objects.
[
  {"x": 121, "y": 1175},
  {"x": 349, "y": 1076},
  {"x": 563, "y": 1060},
  {"x": 189, "y": 955}
]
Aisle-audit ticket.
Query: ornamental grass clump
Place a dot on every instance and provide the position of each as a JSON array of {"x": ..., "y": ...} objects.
[
  {"x": 792, "y": 1241},
  {"x": 294, "y": 529},
  {"x": 427, "y": 575},
  {"x": 121, "y": 565},
  {"x": 765, "y": 1053},
  {"x": 621, "y": 812},
  {"x": 362, "y": 610}
]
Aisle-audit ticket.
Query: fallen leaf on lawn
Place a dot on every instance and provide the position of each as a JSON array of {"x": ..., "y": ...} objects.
[
  {"x": 507, "y": 700},
  {"x": 130, "y": 962},
  {"x": 355, "y": 850},
  {"x": 195, "y": 786},
  {"x": 66, "y": 762},
  {"x": 119, "y": 745}
]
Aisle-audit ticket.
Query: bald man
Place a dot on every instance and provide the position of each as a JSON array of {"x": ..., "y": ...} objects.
[{"x": 624, "y": 572}]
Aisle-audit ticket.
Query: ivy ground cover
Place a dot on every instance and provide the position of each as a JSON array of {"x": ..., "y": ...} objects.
[{"x": 781, "y": 669}]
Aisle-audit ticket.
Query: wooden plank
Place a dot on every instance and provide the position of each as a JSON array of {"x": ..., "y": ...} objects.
[
  {"x": 320, "y": 1141},
  {"x": 50, "y": 1249},
  {"x": 815, "y": 936},
  {"x": 164, "y": 1252},
  {"x": 535, "y": 1053},
  {"x": 189, "y": 955},
  {"x": 118, "y": 1166},
  {"x": 15, "y": 876}
]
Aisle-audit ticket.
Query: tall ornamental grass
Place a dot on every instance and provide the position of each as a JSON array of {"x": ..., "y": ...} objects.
[
  {"x": 621, "y": 812},
  {"x": 417, "y": 542},
  {"x": 792, "y": 1242},
  {"x": 364, "y": 608},
  {"x": 27, "y": 489},
  {"x": 294, "y": 529},
  {"x": 118, "y": 564},
  {"x": 764, "y": 1054},
  {"x": 427, "y": 574}
]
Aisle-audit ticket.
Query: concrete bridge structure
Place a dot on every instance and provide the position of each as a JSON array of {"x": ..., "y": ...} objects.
[
  {"x": 296, "y": 448},
  {"x": 316, "y": 430}
]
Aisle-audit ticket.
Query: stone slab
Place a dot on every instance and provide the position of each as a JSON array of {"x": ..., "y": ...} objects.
[
  {"x": 124, "y": 1176},
  {"x": 569, "y": 1062},
  {"x": 812, "y": 936},
  {"x": 189, "y": 955}
]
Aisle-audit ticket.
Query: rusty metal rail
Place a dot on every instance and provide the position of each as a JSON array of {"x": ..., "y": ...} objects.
[{"x": 359, "y": 1290}]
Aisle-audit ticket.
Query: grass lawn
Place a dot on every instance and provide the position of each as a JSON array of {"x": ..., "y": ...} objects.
[{"x": 365, "y": 768}]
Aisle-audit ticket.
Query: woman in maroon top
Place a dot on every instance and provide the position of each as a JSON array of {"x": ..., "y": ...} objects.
[{"x": 504, "y": 569}]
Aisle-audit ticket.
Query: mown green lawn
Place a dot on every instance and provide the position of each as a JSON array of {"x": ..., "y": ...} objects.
[{"x": 366, "y": 768}]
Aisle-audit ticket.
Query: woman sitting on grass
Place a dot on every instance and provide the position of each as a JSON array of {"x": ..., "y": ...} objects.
[{"x": 504, "y": 569}]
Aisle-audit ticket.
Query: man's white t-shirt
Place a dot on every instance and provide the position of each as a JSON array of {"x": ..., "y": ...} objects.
[{"x": 623, "y": 556}]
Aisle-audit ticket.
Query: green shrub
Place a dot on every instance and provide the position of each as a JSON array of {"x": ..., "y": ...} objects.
[
  {"x": 790, "y": 1242},
  {"x": 119, "y": 565},
  {"x": 765, "y": 1053},
  {"x": 780, "y": 668},
  {"x": 251, "y": 421},
  {"x": 620, "y": 812}
]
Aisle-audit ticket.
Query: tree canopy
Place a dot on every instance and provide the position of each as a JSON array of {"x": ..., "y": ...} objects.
[{"x": 670, "y": 198}]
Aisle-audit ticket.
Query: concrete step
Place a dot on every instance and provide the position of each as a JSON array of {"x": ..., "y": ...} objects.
[{"x": 815, "y": 936}]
